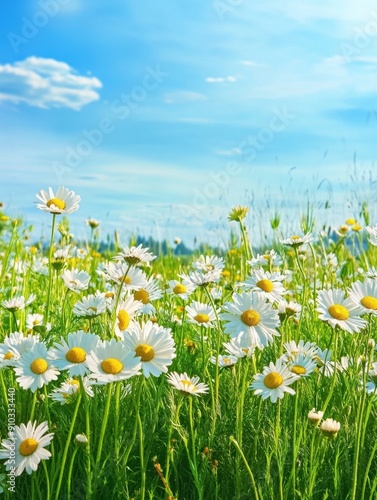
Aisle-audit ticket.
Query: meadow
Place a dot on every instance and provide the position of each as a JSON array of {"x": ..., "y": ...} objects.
[{"x": 238, "y": 374}]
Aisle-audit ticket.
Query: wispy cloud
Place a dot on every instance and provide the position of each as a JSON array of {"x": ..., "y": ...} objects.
[
  {"x": 221, "y": 79},
  {"x": 46, "y": 83},
  {"x": 182, "y": 96}
]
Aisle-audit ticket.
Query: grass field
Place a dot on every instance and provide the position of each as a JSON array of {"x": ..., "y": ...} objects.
[{"x": 249, "y": 374}]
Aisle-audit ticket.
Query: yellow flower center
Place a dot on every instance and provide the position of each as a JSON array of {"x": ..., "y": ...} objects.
[
  {"x": 57, "y": 202},
  {"x": 369, "y": 302},
  {"x": 142, "y": 295},
  {"x": 298, "y": 370},
  {"x": 9, "y": 355},
  {"x": 273, "y": 380},
  {"x": 338, "y": 311},
  {"x": 145, "y": 351},
  {"x": 178, "y": 289},
  {"x": 28, "y": 447},
  {"x": 226, "y": 360},
  {"x": 350, "y": 222},
  {"x": 266, "y": 257},
  {"x": 111, "y": 366},
  {"x": 187, "y": 382},
  {"x": 201, "y": 318},
  {"x": 36, "y": 322},
  {"x": 265, "y": 285},
  {"x": 39, "y": 366},
  {"x": 126, "y": 280},
  {"x": 74, "y": 382},
  {"x": 250, "y": 317},
  {"x": 109, "y": 295},
  {"x": 76, "y": 355},
  {"x": 123, "y": 320},
  {"x": 295, "y": 237}
]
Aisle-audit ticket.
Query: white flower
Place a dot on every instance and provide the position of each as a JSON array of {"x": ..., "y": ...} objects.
[
  {"x": 188, "y": 385},
  {"x": 127, "y": 310},
  {"x": 270, "y": 258},
  {"x": 75, "y": 280},
  {"x": 296, "y": 241},
  {"x": 63, "y": 202},
  {"x": 289, "y": 309},
  {"x": 28, "y": 443},
  {"x": 252, "y": 318},
  {"x": 199, "y": 278},
  {"x": 182, "y": 289},
  {"x": 135, "y": 255},
  {"x": 274, "y": 382},
  {"x": 207, "y": 264},
  {"x": 334, "y": 308},
  {"x": 122, "y": 274},
  {"x": 235, "y": 349},
  {"x": 35, "y": 322},
  {"x": 149, "y": 292},
  {"x": 14, "y": 346},
  {"x": 330, "y": 427},
  {"x": 364, "y": 295},
  {"x": 224, "y": 361},
  {"x": 111, "y": 361},
  {"x": 90, "y": 306},
  {"x": 373, "y": 234},
  {"x": 68, "y": 389},
  {"x": 267, "y": 284},
  {"x": 200, "y": 314},
  {"x": 293, "y": 349},
  {"x": 302, "y": 365},
  {"x": 71, "y": 354},
  {"x": 18, "y": 303},
  {"x": 314, "y": 417},
  {"x": 154, "y": 345},
  {"x": 33, "y": 368}
]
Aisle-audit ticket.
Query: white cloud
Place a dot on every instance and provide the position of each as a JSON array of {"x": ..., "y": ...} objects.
[
  {"x": 46, "y": 83},
  {"x": 221, "y": 79},
  {"x": 182, "y": 96}
]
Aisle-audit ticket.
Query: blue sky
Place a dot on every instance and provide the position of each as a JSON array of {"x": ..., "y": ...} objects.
[{"x": 163, "y": 115}]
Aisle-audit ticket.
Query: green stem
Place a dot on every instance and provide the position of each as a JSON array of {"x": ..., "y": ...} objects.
[
  {"x": 70, "y": 470},
  {"x": 48, "y": 493},
  {"x": 50, "y": 270},
  {"x": 105, "y": 418},
  {"x": 33, "y": 406},
  {"x": 233, "y": 441},
  {"x": 141, "y": 450},
  {"x": 67, "y": 445},
  {"x": 88, "y": 446}
]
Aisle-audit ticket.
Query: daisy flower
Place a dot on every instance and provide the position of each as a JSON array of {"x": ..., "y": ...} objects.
[
  {"x": 71, "y": 354},
  {"x": 199, "y": 278},
  {"x": 35, "y": 322},
  {"x": 90, "y": 306},
  {"x": 324, "y": 363},
  {"x": 153, "y": 345},
  {"x": 127, "y": 310},
  {"x": 182, "y": 289},
  {"x": 330, "y": 428},
  {"x": 122, "y": 274},
  {"x": 224, "y": 361},
  {"x": 206, "y": 264},
  {"x": 334, "y": 308},
  {"x": 17, "y": 303},
  {"x": 92, "y": 223},
  {"x": 187, "y": 385},
  {"x": 235, "y": 349},
  {"x": 314, "y": 417},
  {"x": 274, "y": 381},
  {"x": 63, "y": 202},
  {"x": 14, "y": 346},
  {"x": 289, "y": 309},
  {"x": 69, "y": 388},
  {"x": 364, "y": 295},
  {"x": 150, "y": 291},
  {"x": 293, "y": 349},
  {"x": 200, "y": 314},
  {"x": 296, "y": 241},
  {"x": 373, "y": 234},
  {"x": 28, "y": 442},
  {"x": 270, "y": 258},
  {"x": 112, "y": 361},
  {"x": 135, "y": 255},
  {"x": 34, "y": 369},
  {"x": 302, "y": 365},
  {"x": 267, "y": 284},
  {"x": 75, "y": 280},
  {"x": 252, "y": 318}
]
